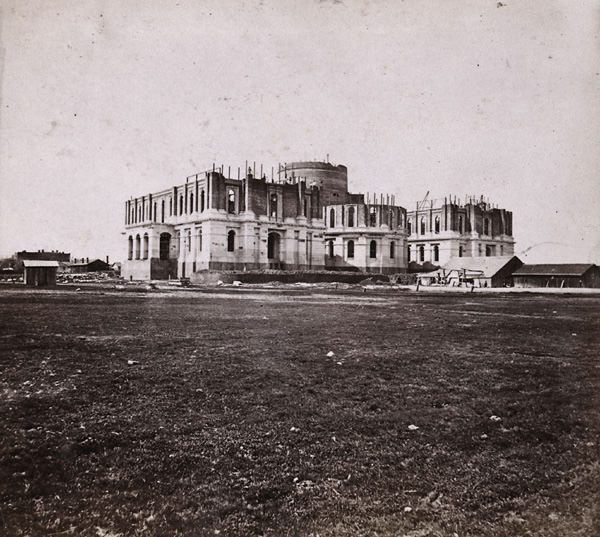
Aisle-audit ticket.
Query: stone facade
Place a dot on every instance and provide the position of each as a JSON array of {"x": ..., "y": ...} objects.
[
  {"x": 439, "y": 230},
  {"x": 302, "y": 219}
]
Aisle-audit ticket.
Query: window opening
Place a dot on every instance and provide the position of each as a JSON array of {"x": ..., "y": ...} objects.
[
  {"x": 351, "y": 217},
  {"x": 350, "y": 249},
  {"x": 373, "y": 249},
  {"x": 231, "y": 201}
]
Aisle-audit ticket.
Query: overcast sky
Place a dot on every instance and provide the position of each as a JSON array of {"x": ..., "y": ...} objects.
[{"x": 105, "y": 99}]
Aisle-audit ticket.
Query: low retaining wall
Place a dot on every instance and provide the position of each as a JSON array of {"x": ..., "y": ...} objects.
[{"x": 211, "y": 278}]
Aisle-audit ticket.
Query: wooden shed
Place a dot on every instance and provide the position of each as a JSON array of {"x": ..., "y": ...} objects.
[
  {"x": 97, "y": 265},
  {"x": 493, "y": 271},
  {"x": 558, "y": 275},
  {"x": 39, "y": 273}
]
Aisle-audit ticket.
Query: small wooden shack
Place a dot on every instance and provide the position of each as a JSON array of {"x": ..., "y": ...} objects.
[
  {"x": 39, "y": 273},
  {"x": 493, "y": 271}
]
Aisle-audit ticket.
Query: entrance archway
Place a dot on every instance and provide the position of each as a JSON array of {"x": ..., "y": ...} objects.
[
  {"x": 273, "y": 247},
  {"x": 165, "y": 245}
]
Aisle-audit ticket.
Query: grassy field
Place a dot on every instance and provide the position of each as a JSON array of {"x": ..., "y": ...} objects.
[{"x": 191, "y": 413}]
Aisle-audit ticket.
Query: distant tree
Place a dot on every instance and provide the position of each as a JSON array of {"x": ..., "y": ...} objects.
[{"x": 10, "y": 262}]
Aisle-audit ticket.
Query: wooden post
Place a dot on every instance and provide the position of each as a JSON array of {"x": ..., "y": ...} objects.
[
  {"x": 208, "y": 190},
  {"x": 247, "y": 193}
]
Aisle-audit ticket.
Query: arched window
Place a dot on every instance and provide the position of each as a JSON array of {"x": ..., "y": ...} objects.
[
  {"x": 422, "y": 226},
  {"x": 189, "y": 240},
  {"x": 351, "y": 219},
  {"x": 199, "y": 239},
  {"x": 202, "y": 195},
  {"x": 137, "y": 246},
  {"x": 392, "y": 249},
  {"x": 332, "y": 218},
  {"x": 409, "y": 226},
  {"x": 350, "y": 247},
  {"x": 132, "y": 216},
  {"x": 162, "y": 214},
  {"x": 373, "y": 249},
  {"x": 191, "y": 203},
  {"x": 231, "y": 241},
  {"x": 130, "y": 247},
  {"x": 170, "y": 206},
  {"x": 436, "y": 252},
  {"x": 145, "y": 246},
  {"x": 437, "y": 224},
  {"x": 330, "y": 248},
  {"x": 408, "y": 254},
  {"x": 154, "y": 217},
  {"x": 273, "y": 205},
  {"x": 165, "y": 246},
  {"x": 373, "y": 216},
  {"x": 230, "y": 201},
  {"x": 486, "y": 226},
  {"x": 460, "y": 224},
  {"x": 421, "y": 254},
  {"x": 140, "y": 213},
  {"x": 305, "y": 207},
  {"x": 180, "y": 204}
]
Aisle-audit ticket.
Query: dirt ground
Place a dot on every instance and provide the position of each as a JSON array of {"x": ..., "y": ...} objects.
[{"x": 282, "y": 413}]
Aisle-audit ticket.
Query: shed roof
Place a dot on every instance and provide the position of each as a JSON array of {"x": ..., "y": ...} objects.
[
  {"x": 567, "y": 269},
  {"x": 98, "y": 261},
  {"x": 486, "y": 267},
  {"x": 39, "y": 263}
]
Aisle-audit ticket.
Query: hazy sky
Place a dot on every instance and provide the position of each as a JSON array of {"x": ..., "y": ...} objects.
[{"x": 106, "y": 99}]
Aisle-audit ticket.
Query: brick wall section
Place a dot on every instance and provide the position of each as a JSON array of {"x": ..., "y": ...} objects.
[{"x": 258, "y": 196}]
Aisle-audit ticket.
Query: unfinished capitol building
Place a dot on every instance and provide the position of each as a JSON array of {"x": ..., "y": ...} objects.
[{"x": 302, "y": 218}]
